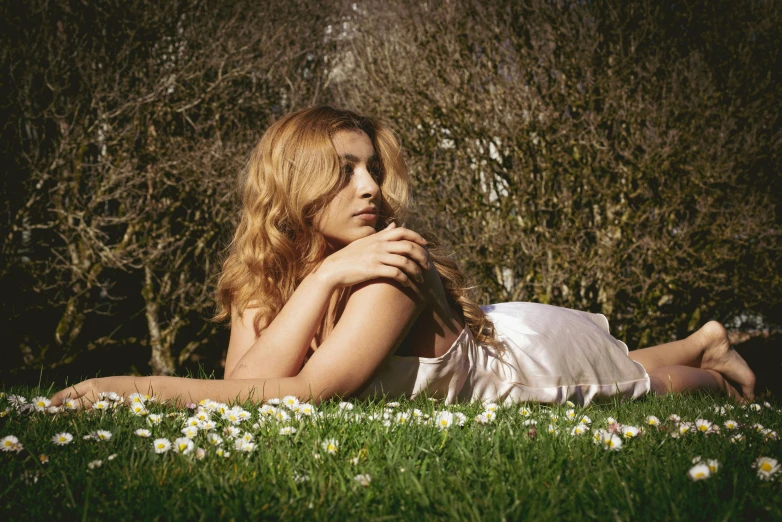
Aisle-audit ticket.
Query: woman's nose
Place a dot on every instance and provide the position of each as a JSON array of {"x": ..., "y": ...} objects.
[{"x": 367, "y": 187}]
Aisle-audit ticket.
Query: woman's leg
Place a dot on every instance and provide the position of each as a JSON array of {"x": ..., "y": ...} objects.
[
  {"x": 675, "y": 379},
  {"x": 707, "y": 349}
]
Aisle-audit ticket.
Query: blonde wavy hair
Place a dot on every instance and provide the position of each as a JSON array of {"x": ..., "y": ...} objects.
[{"x": 291, "y": 176}]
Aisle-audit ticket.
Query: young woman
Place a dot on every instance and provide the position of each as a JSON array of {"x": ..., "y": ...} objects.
[{"x": 329, "y": 296}]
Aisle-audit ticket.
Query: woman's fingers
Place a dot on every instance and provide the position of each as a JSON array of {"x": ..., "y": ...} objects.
[
  {"x": 399, "y": 233},
  {"x": 408, "y": 267},
  {"x": 410, "y": 250}
]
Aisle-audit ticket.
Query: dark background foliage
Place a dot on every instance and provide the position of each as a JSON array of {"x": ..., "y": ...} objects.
[{"x": 616, "y": 157}]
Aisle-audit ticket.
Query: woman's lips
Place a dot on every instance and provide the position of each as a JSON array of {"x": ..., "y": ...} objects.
[{"x": 367, "y": 216}]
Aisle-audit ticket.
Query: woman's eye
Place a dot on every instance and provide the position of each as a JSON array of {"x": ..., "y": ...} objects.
[{"x": 376, "y": 173}]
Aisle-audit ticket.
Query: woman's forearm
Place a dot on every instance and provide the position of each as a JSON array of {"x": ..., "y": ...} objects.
[
  {"x": 283, "y": 344},
  {"x": 181, "y": 390}
]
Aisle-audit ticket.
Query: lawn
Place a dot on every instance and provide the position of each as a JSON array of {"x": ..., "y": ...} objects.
[{"x": 676, "y": 457}]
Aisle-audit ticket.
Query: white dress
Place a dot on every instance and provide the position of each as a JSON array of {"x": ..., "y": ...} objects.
[{"x": 552, "y": 355}]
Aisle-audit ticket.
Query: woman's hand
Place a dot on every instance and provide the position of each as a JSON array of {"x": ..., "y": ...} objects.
[
  {"x": 393, "y": 253},
  {"x": 83, "y": 393}
]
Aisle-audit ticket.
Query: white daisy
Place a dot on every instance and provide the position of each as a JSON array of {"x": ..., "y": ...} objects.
[
  {"x": 524, "y": 412},
  {"x": 392, "y": 404},
  {"x": 713, "y": 464},
  {"x": 460, "y": 418},
  {"x": 699, "y": 472},
  {"x": 109, "y": 396},
  {"x": 731, "y": 424},
  {"x": 491, "y": 407},
  {"x": 281, "y": 415},
  {"x": 183, "y": 445},
  {"x": 10, "y": 443},
  {"x": 585, "y": 420},
  {"x": 737, "y": 438},
  {"x": 17, "y": 401},
  {"x": 570, "y": 414},
  {"x": 290, "y": 402},
  {"x": 553, "y": 430},
  {"x": 767, "y": 467},
  {"x": 443, "y": 419},
  {"x": 306, "y": 409},
  {"x": 630, "y": 432},
  {"x": 674, "y": 418},
  {"x": 244, "y": 446},
  {"x": 207, "y": 425},
  {"x": 102, "y": 435},
  {"x": 232, "y": 416},
  {"x": 570, "y": 404},
  {"x": 137, "y": 398},
  {"x": 138, "y": 409},
  {"x": 247, "y": 437},
  {"x": 100, "y": 405},
  {"x": 754, "y": 407},
  {"x": 702, "y": 425},
  {"x": 69, "y": 404},
  {"x": 330, "y": 446},
  {"x": 143, "y": 432},
  {"x": 611, "y": 441},
  {"x": 95, "y": 464},
  {"x": 579, "y": 429},
  {"x": 220, "y": 452},
  {"x": 192, "y": 421},
  {"x": 232, "y": 431},
  {"x": 684, "y": 428},
  {"x": 267, "y": 409},
  {"x": 651, "y": 420},
  {"x": 287, "y": 430},
  {"x": 346, "y": 406},
  {"x": 41, "y": 403},
  {"x": 275, "y": 401},
  {"x": 154, "y": 419},
  {"x": 200, "y": 453},
  {"x": 61, "y": 439},
  {"x": 482, "y": 419},
  {"x": 529, "y": 422},
  {"x": 161, "y": 445},
  {"x": 214, "y": 439},
  {"x": 364, "y": 479},
  {"x": 402, "y": 417},
  {"x": 189, "y": 432}
]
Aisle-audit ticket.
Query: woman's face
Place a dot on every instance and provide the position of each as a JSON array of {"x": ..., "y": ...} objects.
[{"x": 353, "y": 213}]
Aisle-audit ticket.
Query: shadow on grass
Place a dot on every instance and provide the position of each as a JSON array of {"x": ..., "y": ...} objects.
[{"x": 764, "y": 356}]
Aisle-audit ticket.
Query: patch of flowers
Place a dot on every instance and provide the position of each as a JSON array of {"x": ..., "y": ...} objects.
[{"x": 211, "y": 429}]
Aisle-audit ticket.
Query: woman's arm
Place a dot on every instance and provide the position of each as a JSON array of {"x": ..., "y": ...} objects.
[
  {"x": 376, "y": 319},
  {"x": 279, "y": 351}
]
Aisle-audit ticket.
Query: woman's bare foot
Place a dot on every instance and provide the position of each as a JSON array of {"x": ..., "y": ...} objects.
[{"x": 720, "y": 357}]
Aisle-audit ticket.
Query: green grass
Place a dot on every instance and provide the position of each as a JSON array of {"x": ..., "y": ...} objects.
[{"x": 494, "y": 471}]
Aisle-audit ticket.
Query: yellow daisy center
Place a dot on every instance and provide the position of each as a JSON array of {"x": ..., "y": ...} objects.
[{"x": 765, "y": 466}]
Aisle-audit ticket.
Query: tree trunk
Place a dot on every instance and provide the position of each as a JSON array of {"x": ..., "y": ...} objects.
[{"x": 161, "y": 361}]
